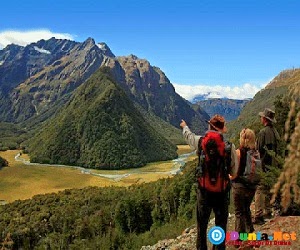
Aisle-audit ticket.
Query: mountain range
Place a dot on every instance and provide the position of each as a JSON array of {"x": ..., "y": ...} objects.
[
  {"x": 41, "y": 80},
  {"x": 41, "y": 75},
  {"x": 229, "y": 108},
  {"x": 78, "y": 104}
]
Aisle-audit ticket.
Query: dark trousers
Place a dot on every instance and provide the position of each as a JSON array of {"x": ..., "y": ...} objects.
[
  {"x": 242, "y": 197},
  {"x": 206, "y": 202}
]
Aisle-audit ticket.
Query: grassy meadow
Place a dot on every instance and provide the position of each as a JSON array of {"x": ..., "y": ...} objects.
[{"x": 20, "y": 181}]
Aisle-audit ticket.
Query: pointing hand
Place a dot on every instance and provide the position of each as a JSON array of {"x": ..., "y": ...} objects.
[{"x": 183, "y": 124}]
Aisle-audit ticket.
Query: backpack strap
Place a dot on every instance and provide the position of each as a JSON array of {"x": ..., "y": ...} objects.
[
  {"x": 228, "y": 148},
  {"x": 199, "y": 146},
  {"x": 243, "y": 160},
  {"x": 201, "y": 158}
]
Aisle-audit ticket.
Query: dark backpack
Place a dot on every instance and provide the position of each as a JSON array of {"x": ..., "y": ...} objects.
[
  {"x": 214, "y": 162},
  {"x": 251, "y": 174}
]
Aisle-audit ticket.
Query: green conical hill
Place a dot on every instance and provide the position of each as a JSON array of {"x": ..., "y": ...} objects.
[{"x": 100, "y": 128}]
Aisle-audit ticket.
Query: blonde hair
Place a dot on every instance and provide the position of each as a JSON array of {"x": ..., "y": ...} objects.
[{"x": 247, "y": 138}]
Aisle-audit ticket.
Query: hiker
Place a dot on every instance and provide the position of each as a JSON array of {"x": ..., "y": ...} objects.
[
  {"x": 245, "y": 182},
  {"x": 268, "y": 138},
  {"x": 217, "y": 197}
]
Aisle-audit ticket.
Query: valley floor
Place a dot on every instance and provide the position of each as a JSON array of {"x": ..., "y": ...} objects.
[{"x": 22, "y": 180}]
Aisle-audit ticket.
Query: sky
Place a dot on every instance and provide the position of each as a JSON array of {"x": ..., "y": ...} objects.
[{"x": 229, "y": 48}]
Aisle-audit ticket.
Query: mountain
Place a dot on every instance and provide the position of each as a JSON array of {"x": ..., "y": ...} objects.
[
  {"x": 229, "y": 108},
  {"x": 101, "y": 128},
  {"x": 58, "y": 72},
  {"x": 149, "y": 87},
  {"x": 208, "y": 95},
  {"x": 17, "y": 63},
  {"x": 265, "y": 98},
  {"x": 38, "y": 80}
]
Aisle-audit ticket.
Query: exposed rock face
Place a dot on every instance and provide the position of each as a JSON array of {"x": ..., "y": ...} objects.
[
  {"x": 149, "y": 87},
  {"x": 40, "y": 78},
  {"x": 229, "y": 108},
  {"x": 19, "y": 63}
]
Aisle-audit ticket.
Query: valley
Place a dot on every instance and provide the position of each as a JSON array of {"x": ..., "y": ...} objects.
[{"x": 21, "y": 180}]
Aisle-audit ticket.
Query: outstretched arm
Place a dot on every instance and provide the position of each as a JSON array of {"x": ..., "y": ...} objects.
[{"x": 189, "y": 137}]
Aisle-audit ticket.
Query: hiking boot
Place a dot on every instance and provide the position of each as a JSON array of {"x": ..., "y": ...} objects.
[{"x": 258, "y": 221}]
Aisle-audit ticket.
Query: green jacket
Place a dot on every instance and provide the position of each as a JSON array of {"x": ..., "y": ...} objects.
[{"x": 268, "y": 137}]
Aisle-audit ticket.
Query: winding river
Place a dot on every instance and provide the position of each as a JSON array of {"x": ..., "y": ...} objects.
[{"x": 178, "y": 165}]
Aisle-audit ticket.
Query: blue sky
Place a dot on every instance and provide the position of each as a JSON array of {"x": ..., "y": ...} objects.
[{"x": 238, "y": 46}]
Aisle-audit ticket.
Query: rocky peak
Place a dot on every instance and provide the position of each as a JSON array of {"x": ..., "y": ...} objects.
[
  {"x": 56, "y": 46},
  {"x": 10, "y": 52},
  {"x": 132, "y": 57},
  {"x": 105, "y": 49},
  {"x": 90, "y": 42},
  {"x": 12, "y": 47},
  {"x": 58, "y": 66}
]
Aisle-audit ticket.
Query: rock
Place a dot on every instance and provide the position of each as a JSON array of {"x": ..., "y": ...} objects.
[{"x": 187, "y": 241}]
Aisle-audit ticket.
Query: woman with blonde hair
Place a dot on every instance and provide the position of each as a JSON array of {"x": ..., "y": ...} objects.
[{"x": 243, "y": 192}]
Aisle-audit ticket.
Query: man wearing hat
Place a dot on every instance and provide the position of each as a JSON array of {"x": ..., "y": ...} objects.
[
  {"x": 207, "y": 201},
  {"x": 268, "y": 137}
]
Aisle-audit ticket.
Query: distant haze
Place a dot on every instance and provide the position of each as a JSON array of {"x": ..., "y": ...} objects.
[{"x": 245, "y": 91}]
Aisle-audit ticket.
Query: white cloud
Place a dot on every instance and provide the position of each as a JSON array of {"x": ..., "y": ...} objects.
[
  {"x": 217, "y": 91},
  {"x": 29, "y": 36}
]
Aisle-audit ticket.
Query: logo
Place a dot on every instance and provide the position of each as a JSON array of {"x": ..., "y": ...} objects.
[
  {"x": 216, "y": 235},
  {"x": 278, "y": 238}
]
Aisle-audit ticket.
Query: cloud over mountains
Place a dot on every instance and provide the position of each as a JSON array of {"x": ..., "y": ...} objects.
[
  {"x": 244, "y": 91},
  {"x": 29, "y": 36}
]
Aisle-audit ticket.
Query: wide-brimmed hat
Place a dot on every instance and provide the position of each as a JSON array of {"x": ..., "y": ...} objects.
[
  {"x": 218, "y": 123},
  {"x": 269, "y": 114}
]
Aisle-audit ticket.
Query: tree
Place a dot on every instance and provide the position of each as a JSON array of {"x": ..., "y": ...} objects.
[{"x": 3, "y": 162}]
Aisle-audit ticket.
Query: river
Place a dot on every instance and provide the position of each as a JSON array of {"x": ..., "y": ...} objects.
[{"x": 178, "y": 165}]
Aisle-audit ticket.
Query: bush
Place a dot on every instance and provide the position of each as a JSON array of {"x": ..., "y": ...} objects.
[{"x": 3, "y": 162}]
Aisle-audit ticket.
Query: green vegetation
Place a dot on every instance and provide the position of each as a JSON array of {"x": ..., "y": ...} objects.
[
  {"x": 278, "y": 88},
  {"x": 249, "y": 115},
  {"x": 102, "y": 218},
  {"x": 164, "y": 128},
  {"x": 100, "y": 128},
  {"x": 20, "y": 181},
  {"x": 278, "y": 95},
  {"x": 11, "y": 135},
  {"x": 3, "y": 162}
]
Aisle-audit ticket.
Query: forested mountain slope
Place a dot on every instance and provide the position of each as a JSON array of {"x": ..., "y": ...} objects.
[{"x": 100, "y": 128}]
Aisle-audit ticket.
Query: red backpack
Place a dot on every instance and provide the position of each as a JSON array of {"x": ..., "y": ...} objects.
[{"x": 214, "y": 162}]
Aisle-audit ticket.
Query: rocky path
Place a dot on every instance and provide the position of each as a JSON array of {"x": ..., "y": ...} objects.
[{"x": 187, "y": 240}]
